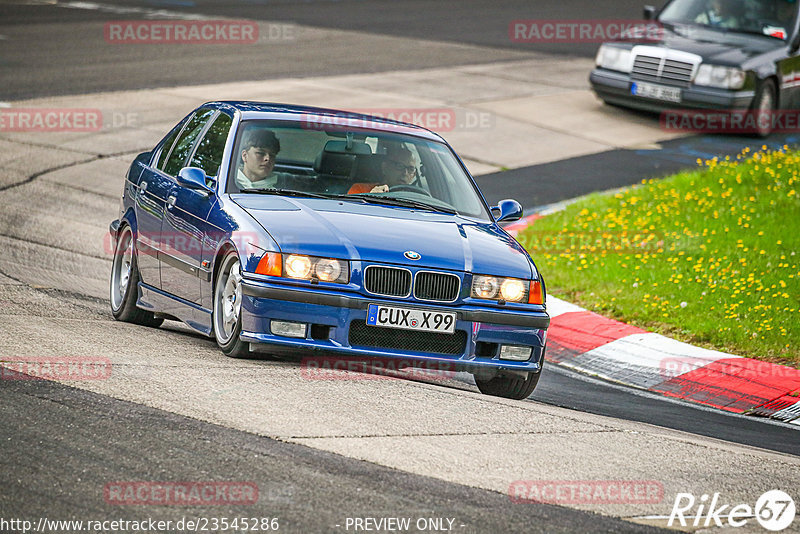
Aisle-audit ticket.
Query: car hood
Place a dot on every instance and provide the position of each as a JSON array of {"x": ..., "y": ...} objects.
[
  {"x": 375, "y": 233},
  {"x": 714, "y": 46}
]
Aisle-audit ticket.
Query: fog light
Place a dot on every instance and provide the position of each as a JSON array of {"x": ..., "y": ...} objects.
[
  {"x": 515, "y": 352},
  {"x": 287, "y": 329}
]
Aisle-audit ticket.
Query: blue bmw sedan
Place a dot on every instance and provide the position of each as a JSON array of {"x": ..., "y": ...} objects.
[{"x": 287, "y": 229}]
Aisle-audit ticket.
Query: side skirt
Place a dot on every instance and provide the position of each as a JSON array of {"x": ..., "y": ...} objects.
[{"x": 157, "y": 301}]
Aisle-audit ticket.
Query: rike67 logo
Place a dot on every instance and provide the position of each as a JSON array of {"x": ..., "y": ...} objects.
[{"x": 774, "y": 510}]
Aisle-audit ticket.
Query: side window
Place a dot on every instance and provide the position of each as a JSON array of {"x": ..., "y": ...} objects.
[
  {"x": 165, "y": 148},
  {"x": 185, "y": 142},
  {"x": 208, "y": 155}
]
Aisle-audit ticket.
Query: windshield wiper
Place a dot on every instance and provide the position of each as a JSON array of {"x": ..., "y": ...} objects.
[
  {"x": 753, "y": 32},
  {"x": 394, "y": 201},
  {"x": 404, "y": 202},
  {"x": 284, "y": 192}
]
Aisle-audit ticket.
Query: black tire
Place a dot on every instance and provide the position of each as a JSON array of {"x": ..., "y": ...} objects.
[
  {"x": 226, "y": 332},
  {"x": 510, "y": 387},
  {"x": 124, "y": 284},
  {"x": 764, "y": 102}
]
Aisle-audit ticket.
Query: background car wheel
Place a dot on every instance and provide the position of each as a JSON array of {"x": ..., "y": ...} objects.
[
  {"x": 125, "y": 282},
  {"x": 764, "y": 104},
  {"x": 228, "y": 308},
  {"x": 510, "y": 387}
]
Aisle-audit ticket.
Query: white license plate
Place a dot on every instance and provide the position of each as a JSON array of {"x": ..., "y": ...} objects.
[
  {"x": 659, "y": 92},
  {"x": 411, "y": 319}
]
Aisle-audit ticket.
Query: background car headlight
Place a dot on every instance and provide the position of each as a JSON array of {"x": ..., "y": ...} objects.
[
  {"x": 497, "y": 288},
  {"x": 719, "y": 76},
  {"x": 614, "y": 58}
]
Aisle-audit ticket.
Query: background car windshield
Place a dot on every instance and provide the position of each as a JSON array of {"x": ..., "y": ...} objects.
[
  {"x": 321, "y": 160},
  {"x": 774, "y": 18}
]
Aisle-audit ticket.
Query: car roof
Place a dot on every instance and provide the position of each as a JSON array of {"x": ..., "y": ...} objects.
[{"x": 274, "y": 111}]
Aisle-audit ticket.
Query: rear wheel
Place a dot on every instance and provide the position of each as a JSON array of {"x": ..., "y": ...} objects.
[
  {"x": 763, "y": 108},
  {"x": 228, "y": 308},
  {"x": 124, "y": 286},
  {"x": 509, "y": 386}
]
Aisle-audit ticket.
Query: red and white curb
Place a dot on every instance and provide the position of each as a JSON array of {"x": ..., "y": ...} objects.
[{"x": 593, "y": 344}]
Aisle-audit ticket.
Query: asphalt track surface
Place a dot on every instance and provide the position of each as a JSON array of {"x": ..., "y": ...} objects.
[
  {"x": 62, "y": 446},
  {"x": 57, "y": 435}
]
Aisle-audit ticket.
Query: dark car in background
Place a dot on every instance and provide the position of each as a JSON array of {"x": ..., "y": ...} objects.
[{"x": 706, "y": 54}]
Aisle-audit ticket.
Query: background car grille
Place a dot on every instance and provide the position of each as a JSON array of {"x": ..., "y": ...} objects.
[
  {"x": 436, "y": 286},
  {"x": 667, "y": 71},
  {"x": 362, "y": 335},
  {"x": 389, "y": 281}
]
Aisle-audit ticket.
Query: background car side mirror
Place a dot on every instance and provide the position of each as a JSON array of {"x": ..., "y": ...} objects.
[
  {"x": 194, "y": 178},
  {"x": 508, "y": 210},
  {"x": 650, "y": 12}
]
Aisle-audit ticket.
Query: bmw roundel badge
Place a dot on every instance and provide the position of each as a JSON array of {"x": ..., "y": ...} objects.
[{"x": 411, "y": 255}]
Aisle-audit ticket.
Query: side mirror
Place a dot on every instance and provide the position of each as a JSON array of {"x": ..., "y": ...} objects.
[
  {"x": 194, "y": 178},
  {"x": 507, "y": 210},
  {"x": 650, "y": 12}
]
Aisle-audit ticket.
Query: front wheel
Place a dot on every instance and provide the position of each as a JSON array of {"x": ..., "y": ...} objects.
[
  {"x": 228, "y": 308},
  {"x": 510, "y": 387},
  {"x": 124, "y": 286}
]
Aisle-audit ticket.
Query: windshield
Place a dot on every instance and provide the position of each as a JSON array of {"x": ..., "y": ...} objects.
[
  {"x": 359, "y": 165},
  {"x": 773, "y": 18}
]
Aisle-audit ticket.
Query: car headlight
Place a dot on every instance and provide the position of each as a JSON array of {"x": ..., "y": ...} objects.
[
  {"x": 298, "y": 266},
  {"x": 498, "y": 288},
  {"x": 719, "y": 76},
  {"x": 614, "y": 58},
  {"x": 302, "y": 267}
]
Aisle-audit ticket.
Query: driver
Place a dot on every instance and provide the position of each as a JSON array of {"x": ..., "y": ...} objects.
[
  {"x": 259, "y": 149},
  {"x": 722, "y": 14},
  {"x": 398, "y": 168}
]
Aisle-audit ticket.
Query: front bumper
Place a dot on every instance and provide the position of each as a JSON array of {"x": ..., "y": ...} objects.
[
  {"x": 479, "y": 332},
  {"x": 615, "y": 88}
]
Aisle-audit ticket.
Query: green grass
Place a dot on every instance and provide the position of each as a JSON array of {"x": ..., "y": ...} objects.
[{"x": 708, "y": 256}]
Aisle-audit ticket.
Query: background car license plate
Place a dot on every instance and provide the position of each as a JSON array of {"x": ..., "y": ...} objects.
[
  {"x": 659, "y": 92},
  {"x": 411, "y": 319}
]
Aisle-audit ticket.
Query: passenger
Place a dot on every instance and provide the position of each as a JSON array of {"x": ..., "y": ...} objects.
[
  {"x": 259, "y": 150},
  {"x": 398, "y": 168}
]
